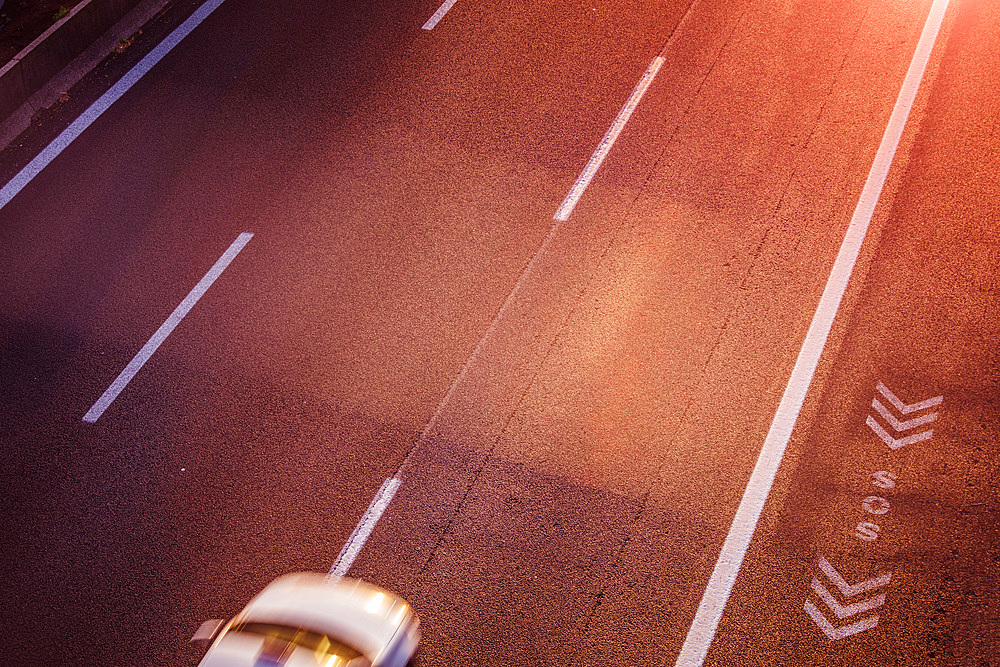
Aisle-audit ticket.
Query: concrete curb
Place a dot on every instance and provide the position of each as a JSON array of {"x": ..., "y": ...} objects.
[{"x": 62, "y": 55}]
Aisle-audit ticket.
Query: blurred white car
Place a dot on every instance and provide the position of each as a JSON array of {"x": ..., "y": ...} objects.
[{"x": 312, "y": 620}]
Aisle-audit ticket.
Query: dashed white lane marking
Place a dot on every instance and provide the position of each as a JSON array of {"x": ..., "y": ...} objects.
[
  {"x": 364, "y": 528},
  {"x": 161, "y": 334},
  {"x": 367, "y": 523},
  {"x": 608, "y": 141},
  {"x": 360, "y": 536},
  {"x": 103, "y": 103},
  {"x": 439, "y": 14},
  {"x": 720, "y": 585}
]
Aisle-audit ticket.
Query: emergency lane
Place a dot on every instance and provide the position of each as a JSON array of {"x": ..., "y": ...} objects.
[{"x": 879, "y": 544}]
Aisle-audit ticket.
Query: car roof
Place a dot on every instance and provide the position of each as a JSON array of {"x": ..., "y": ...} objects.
[{"x": 363, "y": 615}]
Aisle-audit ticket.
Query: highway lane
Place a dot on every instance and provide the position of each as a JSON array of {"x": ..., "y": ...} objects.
[
  {"x": 603, "y": 469},
  {"x": 395, "y": 193}
]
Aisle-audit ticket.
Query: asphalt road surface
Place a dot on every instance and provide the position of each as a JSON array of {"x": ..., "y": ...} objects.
[{"x": 573, "y": 407}]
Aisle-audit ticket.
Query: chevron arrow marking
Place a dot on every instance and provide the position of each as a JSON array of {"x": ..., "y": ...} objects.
[
  {"x": 895, "y": 443},
  {"x": 843, "y": 611},
  {"x": 849, "y": 590},
  {"x": 904, "y": 408},
  {"x": 838, "y": 633},
  {"x": 898, "y": 425}
]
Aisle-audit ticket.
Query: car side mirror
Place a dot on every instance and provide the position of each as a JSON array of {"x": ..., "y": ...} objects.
[{"x": 207, "y": 631}]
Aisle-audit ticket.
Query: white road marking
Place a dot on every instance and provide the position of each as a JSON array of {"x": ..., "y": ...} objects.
[
  {"x": 875, "y": 505},
  {"x": 898, "y": 425},
  {"x": 903, "y": 407},
  {"x": 867, "y": 531},
  {"x": 103, "y": 103},
  {"x": 161, "y": 334},
  {"x": 364, "y": 528},
  {"x": 734, "y": 548},
  {"x": 608, "y": 141},
  {"x": 339, "y": 570},
  {"x": 884, "y": 479},
  {"x": 846, "y": 611},
  {"x": 895, "y": 443},
  {"x": 838, "y": 633},
  {"x": 439, "y": 14},
  {"x": 850, "y": 590}
]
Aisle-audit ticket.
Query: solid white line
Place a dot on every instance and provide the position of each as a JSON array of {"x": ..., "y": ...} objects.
[
  {"x": 364, "y": 528},
  {"x": 439, "y": 14},
  {"x": 49, "y": 153},
  {"x": 608, "y": 141},
  {"x": 720, "y": 585},
  {"x": 161, "y": 334}
]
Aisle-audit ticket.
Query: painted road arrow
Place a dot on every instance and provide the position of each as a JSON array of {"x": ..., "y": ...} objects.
[
  {"x": 846, "y": 611},
  {"x": 898, "y": 425},
  {"x": 843, "y": 611},
  {"x": 902, "y": 407},
  {"x": 849, "y": 590}
]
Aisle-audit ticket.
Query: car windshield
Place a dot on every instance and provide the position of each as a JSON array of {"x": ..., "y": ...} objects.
[{"x": 284, "y": 639}]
